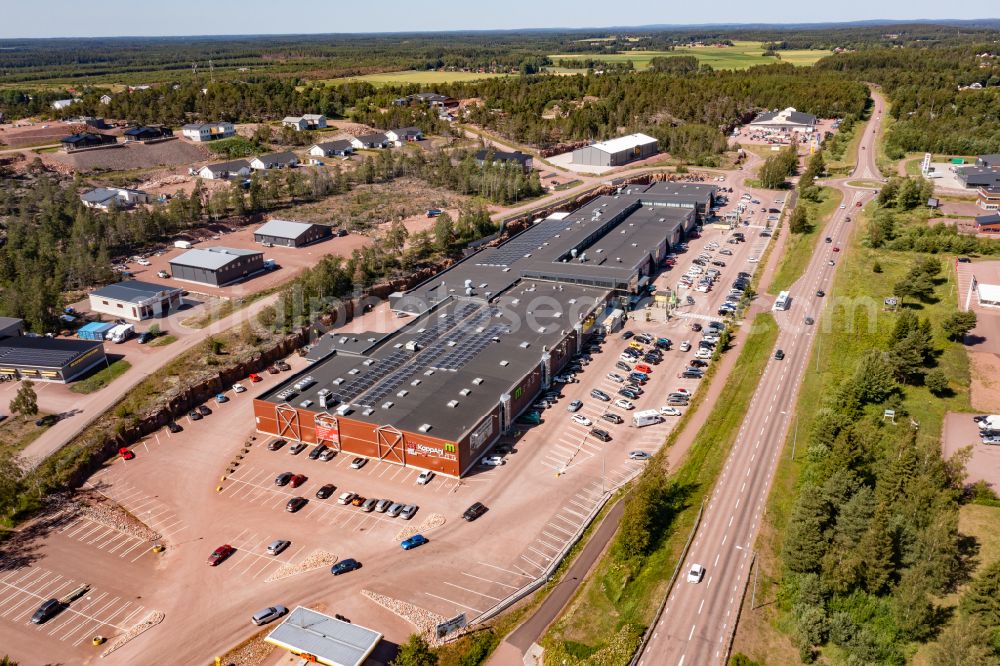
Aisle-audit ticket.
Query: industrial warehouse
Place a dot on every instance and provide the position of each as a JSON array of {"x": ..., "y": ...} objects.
[
  {"x": 40, "y": 358},
  {"x": 489, "y": 334},
  {"x": 617, "y": 152},
  {"x": 216, "y": 266}
]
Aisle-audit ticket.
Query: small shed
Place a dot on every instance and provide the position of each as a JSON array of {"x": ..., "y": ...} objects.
[{"x": 322, "y": 639}]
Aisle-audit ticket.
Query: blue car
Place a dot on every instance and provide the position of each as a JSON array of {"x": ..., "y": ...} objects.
[
  {"x": 345, "y": 566},
  {"x": 413, "y": 541},
  {"x": 221, "y": 398}
]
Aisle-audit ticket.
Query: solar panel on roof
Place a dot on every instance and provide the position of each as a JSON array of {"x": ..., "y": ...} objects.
[{"x": 525, "y": 243}]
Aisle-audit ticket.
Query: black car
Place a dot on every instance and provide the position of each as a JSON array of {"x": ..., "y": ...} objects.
[
  {"x": 628, "y": 393},
  {"x": 820, "y": 293},
  {"x": 345, "y": 566},
  {"x": 317, "y": 450},
  {"x": 698, "y": 363},
  {"x": 194, "y": 415},
  {"x": 964, "y": 260},
  {"x": 325, "y": 491},
  {"x": 622, "y": 365},
  {"x": 283, "y": 366},
  {"x": 276, "y": 444},
  {"x": 602, "y": 435},
  {"x": 779, "y": 355},
  {"x": 696, "y": 327},
  {"x": 474, "y": 511},
  {"x": 627, "y": 334},
  {"x": 810, "y": 321},
  {"x": 611, "y": 417},
  {"x": 295, "y": 504},
  {"x": 283, "y": 479},
  {"x": 47, "y": 611},
  {"x": 144, "y": 337},
  {"x": 174, "y": 427},
  {"x": 203, "y": 410},
  {"x": 692, "y": 374},
  {"x": 719, "y": 263},
  {"x": 652, "y": 358}
]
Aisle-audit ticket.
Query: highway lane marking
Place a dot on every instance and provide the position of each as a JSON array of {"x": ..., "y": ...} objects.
[
  {"x": 700, "y": 606},
  {"x": 717, "y": 556},
  {"x": 692, "y": 632}
]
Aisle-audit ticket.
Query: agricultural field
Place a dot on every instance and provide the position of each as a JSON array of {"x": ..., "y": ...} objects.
[
  {"x": 742, "y": 55},
  {"x": 412, "y": 76}
]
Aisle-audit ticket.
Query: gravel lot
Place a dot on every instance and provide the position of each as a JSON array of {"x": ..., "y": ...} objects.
[{"x": 134, "y": 156}]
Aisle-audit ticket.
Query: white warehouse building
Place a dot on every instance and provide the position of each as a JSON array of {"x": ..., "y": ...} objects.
[{"x": 617, "y": 152}]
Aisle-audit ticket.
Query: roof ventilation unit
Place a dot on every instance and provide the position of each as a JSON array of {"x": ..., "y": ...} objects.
[
  {"x": 425, "y": 427},
  {"x": 453, "y": 403},
  {"x": 465, "y": 392}
]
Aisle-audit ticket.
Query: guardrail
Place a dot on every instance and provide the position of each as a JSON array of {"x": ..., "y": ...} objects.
[
  {"x": 546, "y": 575},
  {"x": 739, "y": 612},
  {"x": 673, "y": 579}
]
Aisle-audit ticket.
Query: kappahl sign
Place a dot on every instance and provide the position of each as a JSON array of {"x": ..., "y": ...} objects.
[{"x": 446, "y": 452}]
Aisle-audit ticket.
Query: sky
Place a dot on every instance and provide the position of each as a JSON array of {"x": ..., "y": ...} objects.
[{"x": 107, "y": 18}]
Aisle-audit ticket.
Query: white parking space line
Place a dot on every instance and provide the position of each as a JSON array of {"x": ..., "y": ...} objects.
[
  {"x": 488, "y": 580},
  {"x": 454, "y": 603}
]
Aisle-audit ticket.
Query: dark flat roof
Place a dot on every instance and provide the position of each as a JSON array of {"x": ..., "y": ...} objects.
[
  {"x": 133, "y": 291},
  {"x": 468, "y": 351},
  {"x": 42, "y": 352}
]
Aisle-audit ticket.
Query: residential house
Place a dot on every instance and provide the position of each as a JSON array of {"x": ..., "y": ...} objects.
[
  {"x": 224, "y": 170},
  {"x": 308, "y": 121},
  {"x": 61, "y": 104},
  {"x": 147, "y": 133},
  {"x": 501, "y": 158},
  {"x": 402, "y": 135},
  {"x": 208, "y": 131},
  {"x": 105, "y": 198},
  {"x": 377, "y": 140},
  {"x": 105, "y": 99},
  {"x": 434, "y": 100},
  {"x": 274, "y": 161},
  {"x": 86, "y": 140},
  {"x": 331, "y": 149}
]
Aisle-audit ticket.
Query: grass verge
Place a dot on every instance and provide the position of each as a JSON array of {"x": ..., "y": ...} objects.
[
  {"x": 799, "y": 247},
  {"x": 618, "y": 599},
  {"x": 163, "y": 341},
  {"x": 16, "y": 433},
  {"x": 223, "y": 310},
  {"x": 844, "y": 334},
  {"x": 101, "y": 378}
]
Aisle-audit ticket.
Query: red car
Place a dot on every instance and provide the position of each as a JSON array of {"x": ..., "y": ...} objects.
[
  {"x": 858, "y": 204},
  {"x": 297, "y": 480},
  {"x": 220, "y": 554},
  {"x": 836, "y": 249},
  {"x": 254, "y": 377},
  {"x": 125, "y": 453}
]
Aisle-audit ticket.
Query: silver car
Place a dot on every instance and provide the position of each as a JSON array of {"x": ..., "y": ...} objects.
[
  {"x": 277, "y": 546},
  {"x": 268, "y": 615},
  {"x": 395, "y": 509},
  {"x": 408, "y": 511},
  {"x": 383, "y": 505}
]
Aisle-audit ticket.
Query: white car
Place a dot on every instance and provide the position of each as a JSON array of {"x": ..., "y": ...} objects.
[
  {"x": 696, "y": 573},
  {"x": 624, "y": 404},
  {"x": 581, "y": 419},
  {"x": 143, "y": 262},
  {"x": 710, "y": 338},
  {"x": 685, "y": 346},
  {"x": 670, "y": 411},
  {"x": 425, "y": 477},
  {"x": 753, "y": 260},
  {"x": 493, "y": 461},
  {"x": 843, "y": 205},
  {"x": 703, "y": 354},
  {"x": 616, "y": 378},
  {"x": 239, "y": 388},
  {"x": 345, "y": 498}
]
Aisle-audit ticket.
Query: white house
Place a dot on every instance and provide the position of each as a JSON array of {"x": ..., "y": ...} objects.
[
  {"x": 274, "y": 161},
  {"x": 402, "y": 135},
  {"x": 61, "y": 104},
  {"x": 104, "y": 198},
  {"x": 208, "y": 131},
  {"x": 331, "y": 149},
  {"x": 105, "y": 99},
  {"x": 377, "y": 140},
  {"x": 224, "y": 170},
  {"x": 308, "y": 121},
  {"x": 136, "y": 300}
]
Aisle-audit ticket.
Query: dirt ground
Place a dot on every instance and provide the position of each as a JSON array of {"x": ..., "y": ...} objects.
[
  {"x": 133, "y": 156},
  {"x": 758, "y": 137},
  {"x": 26, "y": 133},
  {"x": 984, "y": 465}
]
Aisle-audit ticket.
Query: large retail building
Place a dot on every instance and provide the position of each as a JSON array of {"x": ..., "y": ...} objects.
[{"x": 488, "y": 335}]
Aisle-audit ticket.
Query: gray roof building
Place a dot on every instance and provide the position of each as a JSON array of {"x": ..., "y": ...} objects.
[
  {"x": 331, "y": 641},
  {"x": 274, "y": 161},
  {"x": 49, "y": 359},
  {"x": 291, "y": 234},
  {"x": 785, "y": 119},
  {"x": 976, "y": 176},
  {"x": 216, "y": 266},
  {"x": 991, "y": 161},
  {"x": 327, "y": 148}
]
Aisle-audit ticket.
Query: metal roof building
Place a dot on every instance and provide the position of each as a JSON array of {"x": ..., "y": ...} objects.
[
  {"x": 216, "y": 266},
  {"x": 136, "y": 300},
  {"x": 49, "y": 359},
  {"x": 291, "y": 234},
  {"x": 786, "y": 119},
  {"x": 324, "y": 639},
  {"x": 618, "y": 151}
]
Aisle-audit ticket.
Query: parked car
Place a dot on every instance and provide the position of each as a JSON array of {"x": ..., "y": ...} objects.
[
  {"x": 424, "y": 478},
  {"x": 581, "y": 419},
  {"x": 474, "y": 511},
  {"x": 413, "y": 542},
  {"x": 358, "y": 462},
  {"x": 174, "y": 427},
  {"x": 48, "y": 610},
  {"x": 670, "y": 411},
  {"x": 220, "y": 554},
  {"x": 297, "y": 448},
  {"x": 283, "y": 366},
  {"x": 369, "y": 504},
  {"x": 325, "y": 491},
  {"x": 600, "y": 395},
  {"x": 317, "y": 451},
  {"x": 621, "y": 365},
  {"x": 126, "y": 453},
  {"x": 297, "y": 480},
  {"x": 327, "y": 454},
  {"x": 239, "y": 388},
  {"x": 269, "y": 614},
  {"x": 611, "y": 417},
  {"x": 295, "y": 504},
  {"x": 627, "y": 393},
  {"x": 574, "y": 406},
  {"x": 254, "y": 377},
  {"x": 345, "y": 498},
  {"x": 408, "y": 511},
  {"x": 624, "y": 404},
  {"x": 600, "y": 434},
  {"x": 275, "y": 444},
  {"x": 627, "y": 334},
  {"x": 195, "y": 415},
  {"x": 278, "y": 546},
  {"x": 383, "y": 505},
  {"x": 221, "y": 398},
  {"x": 638, "y": 455},
  {"x": 492, "y": 461},
  {"x": 203, "y": 410},
  {"x": 395, "y": 509},
  {"x": 345, "y": 566},
  {"x": 359, "y": 501},
  {"x": 685, "y": 346}
]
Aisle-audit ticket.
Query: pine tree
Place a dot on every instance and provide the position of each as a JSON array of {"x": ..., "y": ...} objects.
[{"x": 806, "y": 541}]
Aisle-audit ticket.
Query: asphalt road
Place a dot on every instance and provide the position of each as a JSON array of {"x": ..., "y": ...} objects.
[{"x": 699, "y": 619}]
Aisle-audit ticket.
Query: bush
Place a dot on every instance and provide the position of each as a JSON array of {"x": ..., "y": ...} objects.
[{"x": 936, "y": 381}]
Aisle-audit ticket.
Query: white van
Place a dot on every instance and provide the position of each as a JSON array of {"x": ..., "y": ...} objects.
[{"x": 183, "y": 244}]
